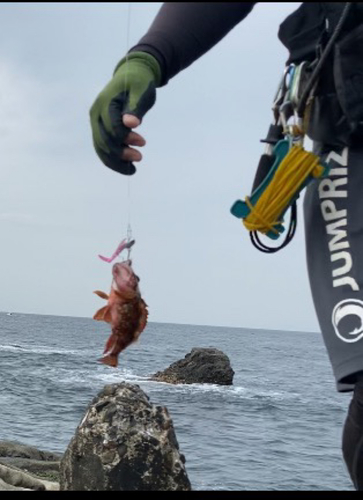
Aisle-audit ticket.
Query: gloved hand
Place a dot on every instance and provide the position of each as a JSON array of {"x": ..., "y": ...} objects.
[{"x": 131, "y": 91}]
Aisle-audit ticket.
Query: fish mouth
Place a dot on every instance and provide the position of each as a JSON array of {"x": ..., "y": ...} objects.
[{"x": 123, "y": 273}]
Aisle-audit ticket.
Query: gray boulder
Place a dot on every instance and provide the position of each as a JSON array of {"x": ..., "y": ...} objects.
[
  {"x": 124, "y": 443},
  {"x": 42, "y": 464},
  {"x": 200, "y": 366},
  {"x": 12, "y": 478},
  {"x": 19, "y": 450},
  {"x": 42, "y": 469},
  {"x": 9, "y": 487}
]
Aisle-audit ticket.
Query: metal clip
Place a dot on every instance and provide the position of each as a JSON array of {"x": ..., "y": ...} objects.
[
  {"x": 298, "y": 83},
  {"x": 129, "y": 242},
  {"x": 280, "y": 95}
]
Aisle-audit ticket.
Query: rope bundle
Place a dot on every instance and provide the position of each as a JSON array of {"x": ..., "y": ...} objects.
[{"x": 288, "y": 180}]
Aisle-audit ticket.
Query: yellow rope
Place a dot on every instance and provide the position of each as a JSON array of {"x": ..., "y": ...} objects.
[{"x": 292, "y": 172}]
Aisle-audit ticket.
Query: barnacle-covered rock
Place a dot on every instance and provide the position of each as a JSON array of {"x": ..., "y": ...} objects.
[{"x": 124, "y": 443}]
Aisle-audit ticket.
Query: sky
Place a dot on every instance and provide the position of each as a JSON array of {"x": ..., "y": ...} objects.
[{"x": 60, "y": 206}]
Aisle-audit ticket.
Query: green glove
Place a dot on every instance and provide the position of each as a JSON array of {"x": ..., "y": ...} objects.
[{"x": 132, "y": 90}]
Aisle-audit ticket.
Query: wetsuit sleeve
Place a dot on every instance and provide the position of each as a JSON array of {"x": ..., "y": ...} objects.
[{"x": 183, "y": 31}]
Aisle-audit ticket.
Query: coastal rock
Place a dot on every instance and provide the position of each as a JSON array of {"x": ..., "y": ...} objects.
[
  {"x": 124, "y": 443},
  {"x": 43, "y": 469},
  {"x": 9, "y": 487},
  {"x": 13, "y": 449},
  {"x": 200, "y": 366},
  {"x": 24, "y": 467},
  {"x": 14, "y": 478}
]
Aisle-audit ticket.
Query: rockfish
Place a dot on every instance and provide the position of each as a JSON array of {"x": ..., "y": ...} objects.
[{"x": 126, "y": 311}]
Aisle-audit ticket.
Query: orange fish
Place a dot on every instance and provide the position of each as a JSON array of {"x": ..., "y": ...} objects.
[{"x": 126, "y": 311}]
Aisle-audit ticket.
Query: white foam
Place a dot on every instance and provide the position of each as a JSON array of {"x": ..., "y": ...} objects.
[
  {"x": 119, "y": 375},
  {"x": 97, "y": 377},
  {"x": 233, "y": 391},
  {"x": 37, "y": 349}
]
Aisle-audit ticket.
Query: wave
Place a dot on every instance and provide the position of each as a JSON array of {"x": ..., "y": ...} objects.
[
  {"x": 100, "y": 375},
  {"x": 96, "y": 377},
  {"x": 39, "y": 350},
  {"x": 120, "y": 375},
  {"x": 238, "y": 392}
]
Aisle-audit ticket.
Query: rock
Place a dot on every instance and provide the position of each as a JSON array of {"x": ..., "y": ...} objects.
[
  {"x": 42, "y": 469},
  {"x": 18, "y": 478},
  {"x": 13, "y": 449},
  {"x": 9, "y": 487},
  {"x": 25, "y": 467},
  {"x": 124, "y": 443},
  {"x": 200, "y": 366}
]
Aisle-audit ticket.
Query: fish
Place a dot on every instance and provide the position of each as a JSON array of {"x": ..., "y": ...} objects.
[{"x": 125, "y": 311}]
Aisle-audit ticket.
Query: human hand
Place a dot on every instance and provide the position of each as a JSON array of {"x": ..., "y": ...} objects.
[
  {"x": 120, "y": 107},
  {"x": 132, "y": 139}
]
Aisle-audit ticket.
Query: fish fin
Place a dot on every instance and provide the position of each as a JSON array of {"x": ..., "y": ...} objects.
[
  {"x": 103, "y": 314},
  {"x": 110, "y": 360},
  {"x": 107, "y": 316},
  {"x": 103, "y": 295},
  {"x": 124, "y": 294},
  {"x": 143, "y": 318},
  {"x": 111, "y": 342}
]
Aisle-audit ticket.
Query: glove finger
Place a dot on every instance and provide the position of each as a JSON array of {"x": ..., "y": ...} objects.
[
  {"x": 127, "y": 103},
  {"x": 118, "y": 107},
  {"x": 112, "y": 157},
  {"x": 143, "y": 103}
]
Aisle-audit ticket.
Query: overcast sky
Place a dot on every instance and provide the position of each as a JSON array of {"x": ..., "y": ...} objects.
[{"x": 60, "y": 207}]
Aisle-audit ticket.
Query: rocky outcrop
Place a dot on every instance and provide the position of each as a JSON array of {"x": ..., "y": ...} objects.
[
  {"x": 42, "y": 469},
  {"x": 43, "y": 465},
  {"x": 17, "y": 478},
  {"x": 200, "y": 366},
  {"x": 18, "y": 450},
  {"x": 25, "y": 468},
  {"x": 124, "y": 443}
]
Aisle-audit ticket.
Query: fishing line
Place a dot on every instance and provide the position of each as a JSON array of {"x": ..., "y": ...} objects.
[{"x": 129, "y": 200}]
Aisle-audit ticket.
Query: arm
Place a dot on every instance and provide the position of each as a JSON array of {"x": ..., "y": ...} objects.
[
  {"x": 184, "y": 31},
  {"x": 180, "y": 34}
]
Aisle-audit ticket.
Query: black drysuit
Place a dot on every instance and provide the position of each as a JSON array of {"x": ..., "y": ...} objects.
[{"x": 333, "y": 207}]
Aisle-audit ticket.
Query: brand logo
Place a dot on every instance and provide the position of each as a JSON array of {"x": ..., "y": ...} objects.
[
  {"x": 333, "y": 194},
  {"x": 347, "y": 319}
]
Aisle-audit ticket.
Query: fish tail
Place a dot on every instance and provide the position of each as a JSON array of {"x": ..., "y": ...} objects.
[
  {"x": 111, "y": 343},
  {"x": 110, "y": 360},
  {"x": 110, "y": 357}
]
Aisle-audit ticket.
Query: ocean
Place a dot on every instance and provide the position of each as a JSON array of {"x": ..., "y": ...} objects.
[{"x": 278, "y": 427}]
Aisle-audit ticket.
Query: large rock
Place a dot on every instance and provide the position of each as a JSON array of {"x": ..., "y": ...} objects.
[
  {"x": 27, "y": 467},
  {"x": 9, "y": 487},
  {"x": 43, "y": 469},
  {"x": 19, "y": 450},
  {"x": 124, "y": 443},
  {"x": 200, "y": 366},
  {"x": 12, "y": 478}
]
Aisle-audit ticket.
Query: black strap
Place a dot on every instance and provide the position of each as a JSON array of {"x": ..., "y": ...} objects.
[
  {"x": 316, "y": 72},
  {"x": 289, "y": 235}
]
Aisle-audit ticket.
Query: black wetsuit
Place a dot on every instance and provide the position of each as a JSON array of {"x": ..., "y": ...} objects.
[
  {"x": 333, "y": 207},
  {"x": 182, "y": 32}
]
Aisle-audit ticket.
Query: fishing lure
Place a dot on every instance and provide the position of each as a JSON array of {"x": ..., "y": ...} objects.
[{"x": 122, "y": 246}]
